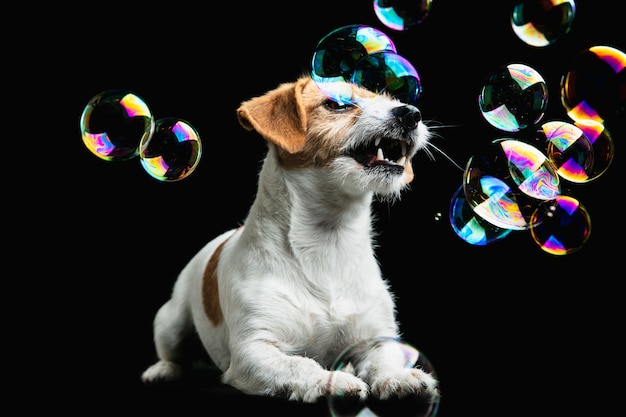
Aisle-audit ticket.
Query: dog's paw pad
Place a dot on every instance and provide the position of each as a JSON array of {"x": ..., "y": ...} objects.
[{"x": 162, "y": 371}]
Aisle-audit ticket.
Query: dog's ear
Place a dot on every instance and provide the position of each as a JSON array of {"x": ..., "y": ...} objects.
[{"x": 279, "y": 115}]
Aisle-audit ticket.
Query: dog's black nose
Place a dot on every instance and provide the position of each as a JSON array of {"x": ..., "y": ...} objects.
[{"x": 408, "y": 115}]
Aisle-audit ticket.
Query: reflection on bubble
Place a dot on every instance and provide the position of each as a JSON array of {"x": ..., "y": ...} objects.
[
  {"x": 401, "y": 15},
  {"x": 595, "y": 86},
  {"x": 113, "y": 123},
  {"x": 470, "y": 227},
  {"x": 172, "y": 152},
  {"x": 602, "y": 144},
  {"x": 506, "y": 182},
  {"x": 562, "y": 226},
  {"x": 569, "y": 149},
  {"x": 352, "y": 361},
  {"x": 388, "y": 72},
  {"x": 337, "y": 54},
  {"x": 542, "y": 22},
  {"x": 514, "y": 98}
]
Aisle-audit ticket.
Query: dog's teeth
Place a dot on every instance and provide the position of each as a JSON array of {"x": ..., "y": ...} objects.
[
  {"x": 401, "y": 161},
  {"x": 380, "y": 155},
  {"x": 377, "y": 142},
  {"x": 403, "y": 146}
]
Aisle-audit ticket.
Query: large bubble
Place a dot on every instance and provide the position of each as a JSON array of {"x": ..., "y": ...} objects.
[
  {"x": 352, "y": 359},
  {"x": 595, "y": 87},
  {"x": 336, "y": 56},
  {"x": 505, "y": 183}
]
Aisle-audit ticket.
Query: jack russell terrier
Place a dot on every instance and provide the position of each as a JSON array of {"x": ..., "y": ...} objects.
[{"x": 276, "y": 300}]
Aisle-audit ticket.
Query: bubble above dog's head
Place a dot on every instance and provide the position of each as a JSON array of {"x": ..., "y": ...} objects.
[{"x": 363, "y": 56}]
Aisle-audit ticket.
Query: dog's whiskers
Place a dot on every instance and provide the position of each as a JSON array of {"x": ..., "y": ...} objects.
[{"x": 429, "y": 146}]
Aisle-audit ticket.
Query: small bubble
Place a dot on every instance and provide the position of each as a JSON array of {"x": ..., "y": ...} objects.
[
  {"x": 562, "y": 226},
  {"x": 113, "y": 123},
  {"x": 542, "y": 22},
  {"x": 514, "y": 98},
  {"x": 402, "y": 15},
  {"x": 470, "y": 227},
  {"x": 172, "y": 152}
]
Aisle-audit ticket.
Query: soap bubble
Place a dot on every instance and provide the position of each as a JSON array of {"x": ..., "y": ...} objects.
[
  {"x": 172, "y": 151},
  {"x": 336, "y": 56},
  {"x": 595, "y": 87},
  {"x": 514, "y": 98},
  {"x": 506, "y": 183},
  {"x": 470, "y": 227},
  {"x": 542, "y": 22},
  {"x": 113, "y": 123},
  {"x": 562, "y": 226},
  {"x": 410, "y": 406},
  {"x": 569, "y": 149},
  {"x": 388, "y": 72},
  {"x": 602, "y": 144},
  {"x": 402, "y": 15}
]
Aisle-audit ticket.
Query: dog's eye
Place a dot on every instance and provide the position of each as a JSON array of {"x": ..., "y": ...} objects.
[{"x": 333, "y": 105}]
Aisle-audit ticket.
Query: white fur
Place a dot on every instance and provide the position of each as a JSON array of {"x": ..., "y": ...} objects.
[{"x": 299, "y": 282}]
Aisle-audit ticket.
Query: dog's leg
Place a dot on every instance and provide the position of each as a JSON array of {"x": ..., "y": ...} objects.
[{"x": 173, "y": 325}]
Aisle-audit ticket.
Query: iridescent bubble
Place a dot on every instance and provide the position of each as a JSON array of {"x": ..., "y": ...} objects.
[
  {"x": 562, "y": 226},
  {"x": 514, "y": 98},
  {"x": 113, "y": 123},
  {"x": 388, "y": 72},
  {"x": 506, "y": 183},
  {"x": 172, "y": 152},
  {"x": 542, "y": 22},
  {"x": 468, "y": 226},
  {"x": 352, "y": 359},
  {"x": 570, "y": 150},
  {"x": 401, "y": 15},
  {"x": 602, "y": 144},
  {"x": 595, "y": 87},
  {"x": 336, "y": 56}
]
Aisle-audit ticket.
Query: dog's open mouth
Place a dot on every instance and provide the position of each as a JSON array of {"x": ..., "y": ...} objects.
[{"x": 383, "y": 152}]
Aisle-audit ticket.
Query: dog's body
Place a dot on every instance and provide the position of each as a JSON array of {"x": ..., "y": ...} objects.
[{"x": 275, "y": 301}]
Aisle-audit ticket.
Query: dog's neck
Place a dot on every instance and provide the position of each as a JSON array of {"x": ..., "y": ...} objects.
[{"x": 311, "y": 211}]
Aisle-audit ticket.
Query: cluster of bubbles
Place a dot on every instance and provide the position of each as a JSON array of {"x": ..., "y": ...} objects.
[
  {"x": 364, "y": 56},
  {"x": 118, "y": 125},
  {"x": 353, "y": 358},
  {"x": 516, "y": 182}
]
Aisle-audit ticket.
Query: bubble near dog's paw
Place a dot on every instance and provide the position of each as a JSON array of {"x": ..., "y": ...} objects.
[
  {"x": 162, "y": 371},
  {"x": 407, "y": 382}
]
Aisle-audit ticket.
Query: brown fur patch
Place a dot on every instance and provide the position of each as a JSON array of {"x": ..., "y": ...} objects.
[{"x": 210, "y": 291}]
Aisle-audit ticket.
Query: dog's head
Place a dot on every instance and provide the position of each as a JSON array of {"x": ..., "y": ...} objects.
[{"x": 368, "y": 145}]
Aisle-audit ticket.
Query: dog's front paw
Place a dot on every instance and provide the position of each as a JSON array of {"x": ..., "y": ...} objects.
[
  {"x": 162, "y": 371},
  {"x": 339, "y": 383},
  {"x": 346, "y": 385},
  {"x": 408, "y": 381}
]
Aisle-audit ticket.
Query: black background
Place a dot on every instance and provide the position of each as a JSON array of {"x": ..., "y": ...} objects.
[{"x": 509, "y": 328}]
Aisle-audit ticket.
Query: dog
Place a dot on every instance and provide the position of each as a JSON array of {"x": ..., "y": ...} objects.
[{"x": 277, "y": 299}]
